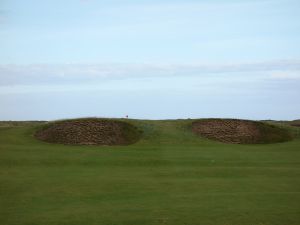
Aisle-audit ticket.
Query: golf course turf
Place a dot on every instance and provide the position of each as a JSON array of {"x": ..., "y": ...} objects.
[{"x": 170, "y": 175}]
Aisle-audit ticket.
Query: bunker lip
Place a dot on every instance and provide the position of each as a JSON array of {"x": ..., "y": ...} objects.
[
  {"x": 89, "y": 132},
  {"x": 240, "y": 131}
]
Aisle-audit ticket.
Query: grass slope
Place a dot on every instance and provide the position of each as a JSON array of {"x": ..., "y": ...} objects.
[{"x": 170, "y": 176}]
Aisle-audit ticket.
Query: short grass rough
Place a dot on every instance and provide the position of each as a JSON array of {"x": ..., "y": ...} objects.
[{"x": 170, "y": 176}]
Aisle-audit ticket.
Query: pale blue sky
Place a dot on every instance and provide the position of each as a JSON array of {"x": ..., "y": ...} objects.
[{"x": 149, "y": 59}]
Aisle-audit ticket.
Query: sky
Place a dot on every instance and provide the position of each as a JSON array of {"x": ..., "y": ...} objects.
[{"x": 149, "y": 59}]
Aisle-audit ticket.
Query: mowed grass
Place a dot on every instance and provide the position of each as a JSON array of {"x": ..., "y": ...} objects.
[{"x": 170, "y": 176}]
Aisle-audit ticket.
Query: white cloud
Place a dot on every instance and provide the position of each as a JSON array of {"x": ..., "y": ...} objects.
[
  {"x": 285, "y": 75},
  {"x": 61, "y": 74}
]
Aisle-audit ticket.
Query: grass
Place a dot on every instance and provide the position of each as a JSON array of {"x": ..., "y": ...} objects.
[
  {"x": 170, "y": 176},
  {"x": 271, "y": 133}
]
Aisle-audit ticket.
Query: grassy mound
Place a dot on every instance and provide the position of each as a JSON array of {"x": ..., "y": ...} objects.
[
  {"x": 240, "y": 131},
  {"x": 89, "y": 132}
]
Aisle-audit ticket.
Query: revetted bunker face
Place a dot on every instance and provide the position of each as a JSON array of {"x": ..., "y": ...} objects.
[
  {"x": 240, "y": 131},
  {"x": 295, "y": 123},
  {"x": 89, "y": 132}
]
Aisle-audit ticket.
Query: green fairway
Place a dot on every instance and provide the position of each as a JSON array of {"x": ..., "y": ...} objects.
[{"x": 169, "y": 177}]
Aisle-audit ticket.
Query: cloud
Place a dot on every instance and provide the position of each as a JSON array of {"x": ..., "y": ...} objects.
[
  {"x": 285, "y": 75},
  {"x": 47, "y": 74}
]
